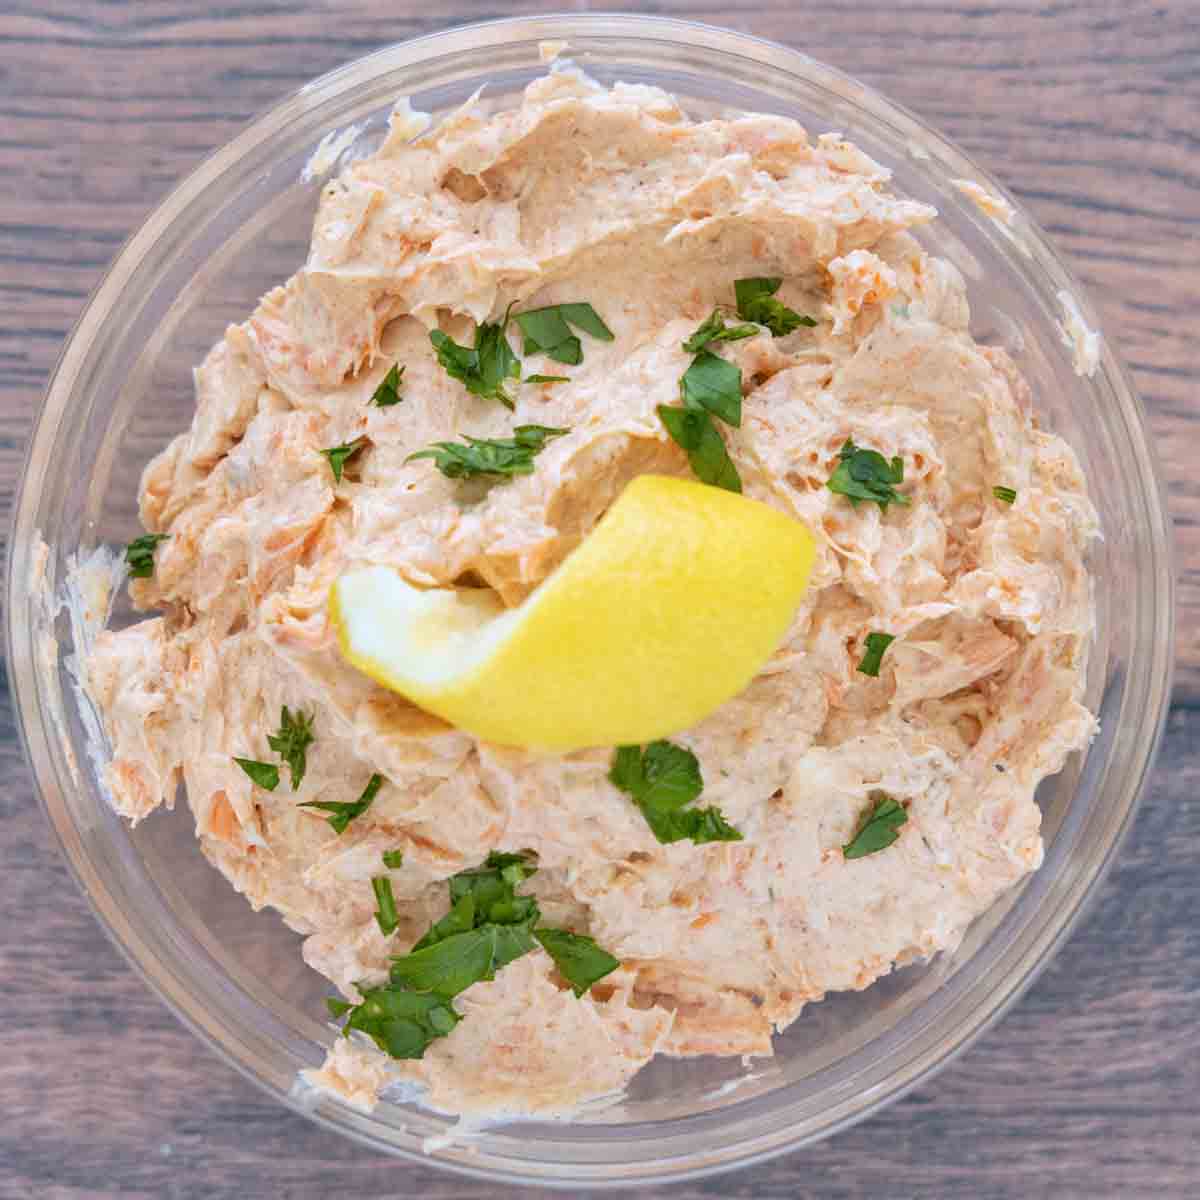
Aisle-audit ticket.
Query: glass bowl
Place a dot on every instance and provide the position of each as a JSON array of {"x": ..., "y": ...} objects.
[{"x": 239, "y": 224}]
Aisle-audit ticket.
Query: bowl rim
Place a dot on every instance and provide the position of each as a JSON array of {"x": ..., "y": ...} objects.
[{"x": 974, "y": 1017}]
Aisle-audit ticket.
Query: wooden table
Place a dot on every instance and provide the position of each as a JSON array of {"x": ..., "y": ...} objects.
[{"x": 1089, "y": 110}]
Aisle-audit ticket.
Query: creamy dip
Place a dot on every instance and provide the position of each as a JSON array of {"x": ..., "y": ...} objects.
[{"x": 617, "y": 198}]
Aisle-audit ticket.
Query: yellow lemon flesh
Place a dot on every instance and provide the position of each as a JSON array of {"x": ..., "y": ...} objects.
[{"x": 666, "y": 610}]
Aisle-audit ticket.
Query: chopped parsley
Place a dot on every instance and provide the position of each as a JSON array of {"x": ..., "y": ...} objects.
[
  {"x": 385, "y": 914},
  {"x": 756, "y": 302},
  {"x": 401, "y": 1023},
  {"x": 879, "y": 829},
  {"x": 388, "y": 392},
  {"x": 292, "y": 741},
  {"x": 339, "y": 455},
  {"x": 265, "y": 775},
  {"x": 710, "y": 387},
  {"x": 496, "y": 457},
  {"x": 548, "y": 330},
  {"x": 867, "y": 475},
  {"x": 872, "y": 657},
  {"x": 488, "y": 927},
  {"x": 663, "y": 779},
  {"x": 344, "y": 811},
  {"x": 393, "y": 859},
  {"x": 580, "y": 961},
  {"x": 707, "y": 455},
  {"x": 139, "y": 554},
  {"x": 489, "y": 369},
  {"x": 1005, "y": 495},
  {"x": 715, "y": 385},
  {"x": 714, "y": 329}
]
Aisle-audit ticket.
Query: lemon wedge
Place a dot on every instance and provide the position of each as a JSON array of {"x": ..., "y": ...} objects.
[{"x": 665, "y": 611}]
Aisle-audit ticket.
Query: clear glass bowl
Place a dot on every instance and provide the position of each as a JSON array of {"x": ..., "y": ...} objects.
[{"x": 239, "y": 224}]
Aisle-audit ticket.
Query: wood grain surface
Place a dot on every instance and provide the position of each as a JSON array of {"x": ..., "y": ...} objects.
[{"x": 1090, "y": 111}]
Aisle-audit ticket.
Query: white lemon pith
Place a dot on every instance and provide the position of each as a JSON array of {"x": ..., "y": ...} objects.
[{"x": 666, "y": 610}]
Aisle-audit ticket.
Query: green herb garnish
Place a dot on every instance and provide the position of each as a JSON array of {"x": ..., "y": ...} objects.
[
  {"x": 401, "y": 1023},
  {"x": 344, "y": 811},
  {"x": 139, "y": 554},
  {"x": 393, "y": 859},
  {"x": 579, "y": 960},
  {"x": 1006, "y": 495},
  {"x": 756, "y": 302},
  {"x": 385, "y": 914},
  {"x": 498, "y": 457},
  {"x": 292, "y": 741},
  {"x": 879, "y": 829},
  {"x": 455, "y": 963},
  {"x": 547, "y": 379},
  {"x": 339, "y": 455},
  {"x": 694, "y": 430},
  {"x": 489, "y": 369},
  {"x": 663, "y": 780},
  {"x": 867, "y": 475},
  {"x": 713, "y": 384},
  {"x": 872, "y": 657},
  {"x": 487, "y": 927},
  {"x": 265, "y": 775},
  {"x": 388, "y": 392},
  {"x": 710, "y": 387},
  {"x": 714, "y": 329},
  {"x": 548, "y": 330}
]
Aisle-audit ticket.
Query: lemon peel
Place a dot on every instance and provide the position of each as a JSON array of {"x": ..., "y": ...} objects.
[{"x": 667, "y": 609}]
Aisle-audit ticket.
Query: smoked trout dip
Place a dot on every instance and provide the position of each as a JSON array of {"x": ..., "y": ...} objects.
[{"x": 616, "y": 198}]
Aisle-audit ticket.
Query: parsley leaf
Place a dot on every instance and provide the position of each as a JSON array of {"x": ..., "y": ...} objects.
[
  {"x": 487, "y": 927},
  {"x": 491, "y": 888},
  {"x": 393, "y": 859},
  {"x": 714, "y": 329},
  {"x": 139, "y": 554},
  {"x": 583, "y": 316},
  {"x": 548, "y": 330},
  {"x": 872, "y": 657},
  {"x": 710, "y": 387},
  {"x": 401, "y": 1023},
  {"x": 388, "y": 392},
  {"x": 456, "y": 962},
  {"x": 867, "y": 475},
  {"x": 547, "y": 379},
  {"x": 756, "y": 302},
  {"x": 1006, "y": 495},
  {"x": 292, "y": 741},
  {"x": 879, "y": 829},
  {"x": 663, "y": 779},
  {"x": 385, "y": 914},
  {"x": 705, "y": 825},
  {"x": 497, "y": 457},
  {"x": 460, "y": 919},
  {"x": 579, "y": 960},
  {"x": 716, "y": 385},
  {"x": 488, "y": 368},
  {"x": 694, "y": 430},
  {"x": 344, "y": 811},
  {"x": 265, "y": 775},
  {"x": 339, "y": 455}
]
